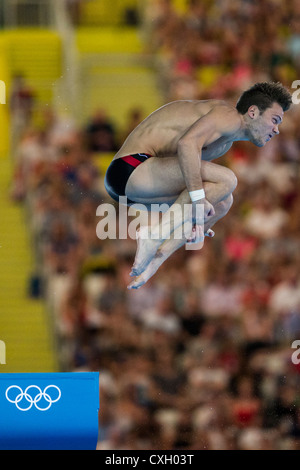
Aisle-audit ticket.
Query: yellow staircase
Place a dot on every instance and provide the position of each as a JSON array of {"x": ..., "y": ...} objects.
[
  {"x": 115, "y": 73},
  {"x": 105, "y": 12},
  {"x": 108, "y": 12},
  {"x": 37, "y": 55},
  {"x": 25, "y": 327}
]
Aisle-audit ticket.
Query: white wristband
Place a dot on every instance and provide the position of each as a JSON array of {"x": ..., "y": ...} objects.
[{"x": 196, "y": 195}]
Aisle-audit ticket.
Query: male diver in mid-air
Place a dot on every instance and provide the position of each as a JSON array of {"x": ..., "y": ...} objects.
[{"x": 167, "y": 159}]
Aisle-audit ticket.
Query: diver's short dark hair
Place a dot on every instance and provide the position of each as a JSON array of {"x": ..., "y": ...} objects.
[{"x": 263, "y": 95}]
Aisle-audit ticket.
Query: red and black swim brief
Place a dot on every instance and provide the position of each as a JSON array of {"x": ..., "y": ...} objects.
[{"x": 118, "y": 172}]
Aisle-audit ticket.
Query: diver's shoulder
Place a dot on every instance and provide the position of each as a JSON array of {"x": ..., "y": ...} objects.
[{"x": 198, "y": 107}]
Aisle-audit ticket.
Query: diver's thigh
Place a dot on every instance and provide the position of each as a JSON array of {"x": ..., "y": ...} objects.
[{"x": 156, "y": 178}]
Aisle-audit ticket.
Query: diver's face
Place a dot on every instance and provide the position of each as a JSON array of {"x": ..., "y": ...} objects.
[{"x": 262, "y": 127}]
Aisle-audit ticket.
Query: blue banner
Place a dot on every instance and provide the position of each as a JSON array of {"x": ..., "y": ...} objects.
[{"x": 57, "y": 411}]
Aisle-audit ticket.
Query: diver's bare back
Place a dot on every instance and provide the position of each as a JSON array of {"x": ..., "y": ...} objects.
[{"x": 160, "y": 132}]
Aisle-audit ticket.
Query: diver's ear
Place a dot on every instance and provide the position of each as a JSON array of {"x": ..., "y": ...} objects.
[{"x": 253, "y": 111}]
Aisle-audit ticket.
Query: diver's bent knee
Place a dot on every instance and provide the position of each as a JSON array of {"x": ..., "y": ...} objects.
[
  {"x": 229, "y": 180},
  {"x": 226, "y": 204}
]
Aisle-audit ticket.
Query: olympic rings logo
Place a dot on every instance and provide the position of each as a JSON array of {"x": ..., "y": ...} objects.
[{"x": 33, "y": 395}]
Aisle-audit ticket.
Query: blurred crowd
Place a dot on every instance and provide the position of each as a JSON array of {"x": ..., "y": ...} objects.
[
  {"x": 202, "y": 356},
  {"x": 220, "y": 47}
]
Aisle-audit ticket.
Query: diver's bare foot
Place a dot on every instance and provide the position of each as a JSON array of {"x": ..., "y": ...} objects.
[
  {"x": 150, "y": 270},
  {"x": 162, "y": 253},
  {"x": 146, "y": 250}
]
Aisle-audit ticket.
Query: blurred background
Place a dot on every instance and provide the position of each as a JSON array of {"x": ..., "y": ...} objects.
[{"x": 201, "y": 356}]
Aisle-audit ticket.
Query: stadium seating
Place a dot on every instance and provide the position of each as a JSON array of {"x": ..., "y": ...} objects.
[{"x": 24, "y": 325}]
